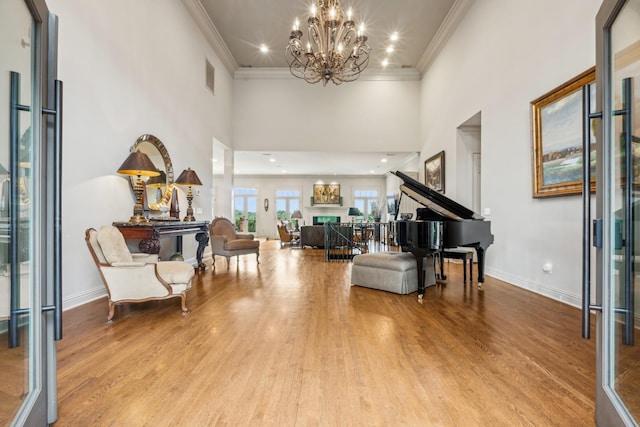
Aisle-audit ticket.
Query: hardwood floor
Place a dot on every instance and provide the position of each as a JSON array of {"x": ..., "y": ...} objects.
[{"x": 289, "y": 342}]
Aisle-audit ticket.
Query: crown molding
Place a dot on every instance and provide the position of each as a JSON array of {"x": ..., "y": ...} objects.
[
  {"x": 200, "y": 16},
  {"x": 446, "y": 29},
  {"x": 376, "y": 74}
]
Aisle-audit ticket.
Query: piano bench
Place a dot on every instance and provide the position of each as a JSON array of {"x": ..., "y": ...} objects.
[
  {"x": 388, "y": 271},
  {"x": 464, "y": 255}
]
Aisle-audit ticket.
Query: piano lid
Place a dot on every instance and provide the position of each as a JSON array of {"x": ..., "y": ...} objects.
[{"x": 434, "y": 200}]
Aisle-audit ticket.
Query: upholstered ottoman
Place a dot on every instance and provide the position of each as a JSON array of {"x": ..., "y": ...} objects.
[{"x": 386, "y": 271}]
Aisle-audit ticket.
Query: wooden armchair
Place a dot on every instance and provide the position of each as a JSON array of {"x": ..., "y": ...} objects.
[
  {"x": 227, "y": 243},
  {"x": 287, "y": 236},
  {"x": 131, "y": 278}
]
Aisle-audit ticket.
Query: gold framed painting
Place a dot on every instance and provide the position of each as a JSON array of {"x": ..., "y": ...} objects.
[
  {"x": 434, "y": 172},
  {"x": 326, "y": 194},
  {"x": 557, "y": 138}
]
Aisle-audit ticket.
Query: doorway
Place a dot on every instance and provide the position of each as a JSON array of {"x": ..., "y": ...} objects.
[{"x": 468, "y": 162}]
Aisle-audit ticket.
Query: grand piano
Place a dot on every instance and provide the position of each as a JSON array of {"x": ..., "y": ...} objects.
[{"x": 441, "y": 224}]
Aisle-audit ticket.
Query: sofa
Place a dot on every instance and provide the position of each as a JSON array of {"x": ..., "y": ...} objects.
[{"x": 314, "y": 235}]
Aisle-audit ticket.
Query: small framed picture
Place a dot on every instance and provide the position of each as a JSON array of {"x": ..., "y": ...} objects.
[{"x": 434, "y": 172}]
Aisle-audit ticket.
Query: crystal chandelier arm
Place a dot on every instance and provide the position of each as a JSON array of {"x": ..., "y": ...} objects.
[{"x": 315, "y": 35}]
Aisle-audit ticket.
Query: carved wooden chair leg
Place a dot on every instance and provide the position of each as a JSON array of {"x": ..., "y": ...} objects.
[
  {"x": 185, "y": 310},
  {"x": 112, "y": 309}
]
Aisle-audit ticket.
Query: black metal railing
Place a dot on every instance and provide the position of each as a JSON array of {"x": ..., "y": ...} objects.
[{"x": 343, "y": 241}]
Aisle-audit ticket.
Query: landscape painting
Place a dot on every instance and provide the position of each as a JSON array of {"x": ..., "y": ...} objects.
[
  {"x": 557, "y": 139},
  {"x": 434, "y": 172}
]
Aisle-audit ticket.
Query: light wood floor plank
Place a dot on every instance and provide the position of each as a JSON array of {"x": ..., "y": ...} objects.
[{"x": 289, "y": 342}]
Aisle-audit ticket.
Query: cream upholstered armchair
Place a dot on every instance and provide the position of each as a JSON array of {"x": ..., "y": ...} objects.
[
  {"x": 135, "y": 277},
  {"x": 227, "y": 243}
]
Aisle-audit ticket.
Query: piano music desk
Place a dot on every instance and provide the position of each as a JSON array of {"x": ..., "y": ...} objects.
[{"x": 462, "y": 254}]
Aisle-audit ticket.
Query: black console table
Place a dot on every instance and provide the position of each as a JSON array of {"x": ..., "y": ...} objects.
[{"x": 151, "y": 232}]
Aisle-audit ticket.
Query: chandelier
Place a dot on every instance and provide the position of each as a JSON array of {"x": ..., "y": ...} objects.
[{"x": 336, "y": 51}]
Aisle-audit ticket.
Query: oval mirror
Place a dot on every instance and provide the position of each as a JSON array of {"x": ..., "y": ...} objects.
[{"x": 158, "y": 188}]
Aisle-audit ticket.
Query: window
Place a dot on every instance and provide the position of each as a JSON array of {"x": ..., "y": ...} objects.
[
  {"x": 287, "y": 201},
  {"x": 245, "y": 201},
  {"x": 367, "y": 202}
]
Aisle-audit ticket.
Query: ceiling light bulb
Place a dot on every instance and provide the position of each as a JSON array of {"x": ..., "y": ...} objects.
[
  {"x": 394, "y": 36},
  {"x": 272, "y": 160},
  {"x": 296, "y": 25},
  {"x": 389, "y": 49},
  {"x": 383, "y": 160},
  {"x": 349, "y": 12},
  {"x": 313, "y": 10},
  {"x": 264, "y": 48},
  {"x": 385, "y": 62}
]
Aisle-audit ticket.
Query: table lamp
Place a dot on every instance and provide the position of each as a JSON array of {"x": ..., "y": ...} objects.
[
  {"x": 158, "y": 182},
  {"x": 353, "y": 212},
  {"x": 138, "y": 164},
  {"x": 189, "y": 178},
  {"x": 297, "y": 215}
]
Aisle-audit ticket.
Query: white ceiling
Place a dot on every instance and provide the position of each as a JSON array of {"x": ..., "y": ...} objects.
[{"x": 245, "y": 25}]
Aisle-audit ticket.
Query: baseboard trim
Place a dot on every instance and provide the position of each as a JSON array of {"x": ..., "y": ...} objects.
[
  {"x": 83, "y": 298},
  {"x": 565, "y": 297}
]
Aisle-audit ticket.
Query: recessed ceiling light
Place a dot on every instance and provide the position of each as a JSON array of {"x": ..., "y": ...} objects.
[
  {"x": 389, "y": 49},
  {"x": 394, "y": 36},
  {"x": 372, "y": 171},
  {"x": 272, "y": 160},
  {"x": 385, "y": 62},
  {"x": 284, "y": 171},
  {"x": 264, "y": 48},
  {"x": 383, "y": 160}
]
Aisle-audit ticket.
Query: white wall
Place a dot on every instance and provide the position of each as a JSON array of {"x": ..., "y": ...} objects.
[
  {"x": 130, "y": 68},
  {"x": 503, "y": 55},
  {"x": 281, "y": 113}
]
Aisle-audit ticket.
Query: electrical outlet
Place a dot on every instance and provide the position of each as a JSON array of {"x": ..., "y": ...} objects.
[
  {"x": 198, "y": 210},
  {"x": 197, "y": 192}
]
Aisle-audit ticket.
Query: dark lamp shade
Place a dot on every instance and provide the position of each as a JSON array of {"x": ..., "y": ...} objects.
[
  {"x": 353, "y": 212},
  {"x": 296, "y": 215},
  {"x": 188, "y": 177},
  {"x": 157, "y": 181},
  {"x": 138, "y": 164}
]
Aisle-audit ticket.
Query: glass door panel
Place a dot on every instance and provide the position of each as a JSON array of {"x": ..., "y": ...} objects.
[
  {"x": 16, "y": 296},
  {"x": 246, "y": 208},
  {"x": 625, "y": 166},
  {"x": 618, "y": 201}
]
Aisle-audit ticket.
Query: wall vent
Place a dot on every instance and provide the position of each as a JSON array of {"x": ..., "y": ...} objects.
[{"x": 210, "y": 76}]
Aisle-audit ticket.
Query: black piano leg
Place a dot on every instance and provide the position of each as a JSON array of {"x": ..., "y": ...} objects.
[
  {"x": 420, "y": 266},
  {"x": 480, "y": 253}
]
